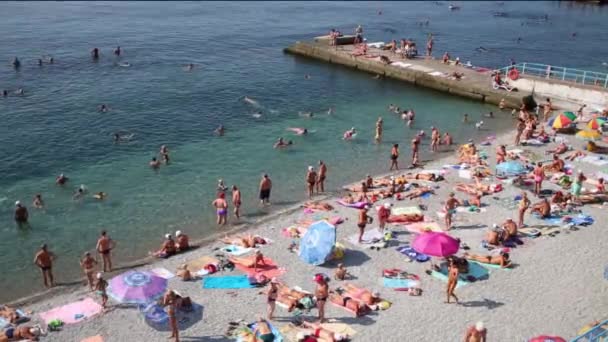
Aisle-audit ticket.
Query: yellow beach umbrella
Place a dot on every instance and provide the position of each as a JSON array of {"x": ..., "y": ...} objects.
[
  {"x": 561, "y": 121},
  {"x": 588, "y": 135}
]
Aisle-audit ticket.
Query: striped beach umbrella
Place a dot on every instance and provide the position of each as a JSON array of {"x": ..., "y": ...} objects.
[
  {"x": 561, "y": 121},
  {"x": 570, "y": 115},
  {"x": 589, "y": 135},
  {"x": 596, "y": 123}
]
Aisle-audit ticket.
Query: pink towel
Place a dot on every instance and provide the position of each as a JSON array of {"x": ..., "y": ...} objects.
[{"x": 74, "y": 312}]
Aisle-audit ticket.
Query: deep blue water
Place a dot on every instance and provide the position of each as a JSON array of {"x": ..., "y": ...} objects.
[{"x": 237, "y": 51}]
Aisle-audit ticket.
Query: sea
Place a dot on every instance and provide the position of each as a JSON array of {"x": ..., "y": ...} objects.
[{"x": 237, "y": 51}]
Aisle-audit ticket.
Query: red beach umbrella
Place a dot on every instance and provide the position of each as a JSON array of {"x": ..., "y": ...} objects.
[{"x": 545, "y": 338}]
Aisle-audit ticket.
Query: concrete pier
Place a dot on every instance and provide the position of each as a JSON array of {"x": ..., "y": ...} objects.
[{"x": 432, "y": 73}]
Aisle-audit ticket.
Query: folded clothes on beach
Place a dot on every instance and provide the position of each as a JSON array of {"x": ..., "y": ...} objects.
[
  {"x": 357, "y": 205},
  {"x": 162, "y": 272},
  {"x": 412, "y": 254},
  {"x": 236, "y": 250},
  {"x": 270, "y": 270},
  {"x": 227, "y": 282},
  {"x": 73, "y": 313}
]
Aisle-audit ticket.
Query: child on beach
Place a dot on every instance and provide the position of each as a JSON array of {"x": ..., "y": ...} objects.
[{"x": 100, "y": 289}]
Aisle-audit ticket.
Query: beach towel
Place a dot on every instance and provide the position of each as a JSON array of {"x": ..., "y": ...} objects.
[
  {"x": 456, "y": 167},
  {"x": 400, "y": 283},
  {"x": 278, "y": 337},
  {"x": 369, "y": 236},
  {"x": 162, "y": 272},
  {"x": 157, "y": 317},
  {"x": 73, "y": 313},
  {"x": 476, "y": 272},
  {"x": 290, "y": 331},
  {"x": 356, "y": 205},
  {"x": 96, "y": 338},
  {"x": 198, "y": 264},
  {"x": 270, "y": 270},
  {"x": 419, "y": 227},
  {"x": 470, "y": 209},
  {"x": 466, "y": 174},
  {"x": 235, "y": 250},
  {"x": 483, "y": 264},
  {"x": 412, "y": 254},
  {"x": 552, "y": 220},
  {"x": 406, "y": 211},
  {"x": 227, "y": 282}
]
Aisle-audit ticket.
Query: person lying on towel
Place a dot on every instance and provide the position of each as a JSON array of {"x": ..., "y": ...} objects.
[
  {"x": 21, "y": 333},
  {"x": 420, "y": 192},
  {"x": 250, "y": 262},
  {"x": 247, "y": 241},
  {"x": 542, "y": 208},
  {"x": 312, "y": 332},
  {"x": 318, "y": 206},
  {"x": 354, "y": 305},
  {"x": 501, "y": 259}
]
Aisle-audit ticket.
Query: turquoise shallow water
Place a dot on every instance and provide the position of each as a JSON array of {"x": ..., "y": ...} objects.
[{"x": 237, "y": 49}]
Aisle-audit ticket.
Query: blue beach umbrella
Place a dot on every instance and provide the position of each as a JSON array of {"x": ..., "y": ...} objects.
[
  {"x": 317, "y": 244},
  {"x": 510, "y": 168}
]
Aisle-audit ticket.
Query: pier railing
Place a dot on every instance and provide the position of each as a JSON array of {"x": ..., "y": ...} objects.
[
  {"x": 599, "y": 333},
  {"x": 560, "y": 73}
]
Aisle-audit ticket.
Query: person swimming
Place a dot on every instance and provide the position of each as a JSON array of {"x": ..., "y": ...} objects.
[
  {"x": 281, "y": 143},
  {"x": 100, "y": 195},
  {"x": 220, "y": 130},
  {"x": 95, "y": 53},
  {"x": 117, "y": 51},
  {"x": 251, "y": 101},
  {"x": 16, "y": 63},
  {"x": 103, "y": 108},
  {"x": 306, "y": 114},
  {"x": 298, "y": 130},
  {"x": 82, "y": 190},
  {"x": 19, "y": 91},
  {"x": 349, "y": 134}
]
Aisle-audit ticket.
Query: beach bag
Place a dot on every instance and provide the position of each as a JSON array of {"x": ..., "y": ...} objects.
[{"x": 55, "y": 325}]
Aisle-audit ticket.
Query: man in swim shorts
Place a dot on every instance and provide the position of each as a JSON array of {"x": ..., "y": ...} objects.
[
  {"x": 321, "y": 294},
  {"x": 311, "y": 179},
  {"x": 450, "y": 209},
  {"x": 104, "y": 246},
  {"x": 44, "y": 260},
  {"x": 394, "y": 157},
  {"x": 88, "y": 266},
  {"x": 236, "y": 201},
  {"x": 221, "y": 209},
  {"x": 265, "y": 187},
  {"x": 321, "y": 177},
  {"x": 362, "y": 222}
]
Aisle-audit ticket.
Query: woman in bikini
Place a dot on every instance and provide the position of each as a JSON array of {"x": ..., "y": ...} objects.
[
  {"x": 501, "y": 259},
  {"x": 221, "y": 208},
  {"x": 272, "y": 295},
  {"x": 321, "y": 294}
]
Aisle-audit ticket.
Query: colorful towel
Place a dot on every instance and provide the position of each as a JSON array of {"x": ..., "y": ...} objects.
[
  {"x": 227, "y": 282},
  {"x": 277, "y": 334},
  {"x": 162, "y": 272},
  {"x": 369, "y": 236},
  {"x": 412, "y": 254},
  {"x": 476, "y": 272},
  {"x": 406, "y": 211},
  {"x": 270, "y": 270},
  {"x": 74, "y": 312},
  {"x": 400, "y": 283},
  {"x": 236, "y": 250},
  {"x": 483, "y": 264},
  {"x": 420, "y": 227}
]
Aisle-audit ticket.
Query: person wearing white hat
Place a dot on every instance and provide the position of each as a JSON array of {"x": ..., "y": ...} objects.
[
  {"x": 21, "y": 214},
  {"x": 61, "y": 179},
  {"x": 100, "y": 288},
  {"x": 167, "y": 249},
  {"x": 311, "y": 180},
  {"x": 182, "y": 242},
  {"x": 321, "y": 175},
  {"x": 383, "y": 214},
  {"x": 476, "y": 333}
]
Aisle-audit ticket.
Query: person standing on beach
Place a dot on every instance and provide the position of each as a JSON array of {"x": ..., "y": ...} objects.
[
  {"x": 378, "y": 137},
  {"x": 362, "y": 222},
  {"x": 429, "y": 46},
  {"x": 476, "y": 333},
  {"x": 100, "y": 288},
  {"x": 521, "y": 125},
  {"x": 501, "y": 154},
  {"x": 523, "y": 205},
  {"x": 170, "y": 301},
  {"x": 450, "y": 209},
  {"x": 271, "y": 299},
  {"x": 394, "y": 157},
  {"x": 383, "y": 214},
  {"x": 539, "y": 176},
  {"x": 265, "y": 187},
  {"x": 221, "y": 209},
  {"x": 104, "y": 246},
  {"x": 236, "y": 201},
  {"x": 452, "y": 280},
  {"x": 435, "y": 137},
  {"x": 547, "y": 109},
  {"x": 321, "y": 177},
  {"x": 44, "y": 260},
  {"x": 311, "y": 179},
  {"x": 415, "y": 144},
  {"x": 447, "y": 139},
  {"x": 321, "y": 294},
  {"x": 88, "y": 266}
]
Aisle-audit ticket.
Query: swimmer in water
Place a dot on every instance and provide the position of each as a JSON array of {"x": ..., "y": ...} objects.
[
  {"x": 465, "y": 118},
  {"x": 257, "y": 115},
  {"x": 489, "y": 115},
  {"x": 61, "y": 179},
  {"x": 251, "y": 101},
  {"x": 281, "y": 143},
  {"x": 330, "y": 111},
  {"x": 16, "y": 63},
  {"x": 349, "y": 134},
  {"x": 19, "y": 91},
  {"x": 117, "y": 51},
  {"x": 100, "y": 195},
  {"x": 103, "y": 108},
  {"x": 189, "y": 67},
  {"x": 298, "y": 130},
  {"x": 79, "y": 193},
  {"x": 220, "y": 130},
  {"x": 155, "y": 164},
  {"x": 5, "y": 93},
  {"x": 39, "y": 62},
  {"x": 38, "y": 203},
  {"x": 307, "y": 77},
  {"x": 306, "y": 114}
]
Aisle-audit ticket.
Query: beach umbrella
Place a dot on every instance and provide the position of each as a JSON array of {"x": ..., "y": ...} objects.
[
  {"x": 596, "y": 123},
  {"x": 545, "y": 338},
  {"x": 589, "y": 135},
  {"x": 137, "y": 287},
  {"x": 561, "y": 121},
  {"x": 510, "y": 168},
  {"x": 570, "y": 115},
  {"x": 317, "y": 244},
  {"x": 437, "y": 244}
]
